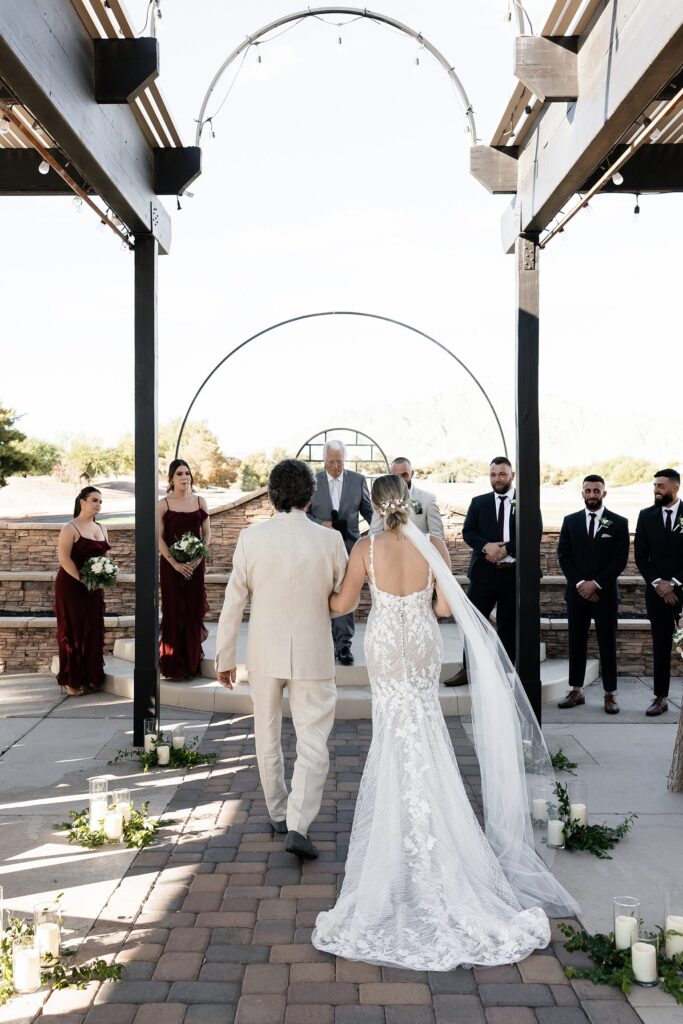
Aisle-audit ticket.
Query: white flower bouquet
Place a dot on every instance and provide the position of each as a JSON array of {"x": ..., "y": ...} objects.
[
  {"x": 99, "y": 571},
  {"x": 188, "y": 548},
  {"x": 678, "y": 641}
]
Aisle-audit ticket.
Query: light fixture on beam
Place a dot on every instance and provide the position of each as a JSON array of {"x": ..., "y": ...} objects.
[
  {"x": 43, "y": 167},
  {"x": 636, "y": 208},
  {"x": 5, "y": 124},
  {"x": 656, "y": 134},
  {"x": 618, "y": 178}
]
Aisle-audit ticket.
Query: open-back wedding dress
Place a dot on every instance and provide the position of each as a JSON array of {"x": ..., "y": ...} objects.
[{"x": 425, "y": 888}]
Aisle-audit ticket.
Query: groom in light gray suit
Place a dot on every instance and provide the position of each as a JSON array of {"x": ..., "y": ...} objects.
[
  {"x": 426, "y": 515},
  {"x": 340, "y": 496}
]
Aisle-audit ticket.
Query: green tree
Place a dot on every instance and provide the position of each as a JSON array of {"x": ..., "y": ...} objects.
[
  {"x": 255, "y": 471},
  {"x": 200, "y": 448},
  {"x": 12, "y": 459},
  {"x": 44, "y": 455}
]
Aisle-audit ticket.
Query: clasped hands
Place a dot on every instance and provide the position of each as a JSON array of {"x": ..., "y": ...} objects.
[
  {"x": 588, "y": 590},
  {"x": 666, "y": 592},
  {"x": 495, "y": 551},
  {"x": 186, "y": 569}
]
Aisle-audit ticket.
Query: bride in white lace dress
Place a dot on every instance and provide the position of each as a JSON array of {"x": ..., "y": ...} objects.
[{"x": 423, "y": 887}]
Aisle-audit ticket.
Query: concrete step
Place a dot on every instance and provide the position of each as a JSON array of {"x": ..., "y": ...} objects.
[
  {"x": 207, "y": 695},
  {"x": 347, "y": 675}
]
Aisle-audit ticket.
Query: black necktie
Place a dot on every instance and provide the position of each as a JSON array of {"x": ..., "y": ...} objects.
[
  {"x": 669, "y": 513},
  {"x": 591, "y": 527},
  {"x": 501, "y": 518}
]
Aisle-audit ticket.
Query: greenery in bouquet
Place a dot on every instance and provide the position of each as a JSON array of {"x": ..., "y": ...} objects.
[
  {"x": 99, "y": 571},
  {"x": 188, "y": 548},
  {"x": 678, "y": 641}
]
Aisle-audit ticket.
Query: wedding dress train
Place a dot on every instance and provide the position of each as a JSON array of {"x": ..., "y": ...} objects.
[{"x": 423, "y": 887}]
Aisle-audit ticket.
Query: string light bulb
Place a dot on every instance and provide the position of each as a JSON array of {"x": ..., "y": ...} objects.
[
  {"x": 417, "y": 62},
  {"x": 339, "y": 43},
  {"x": 618, "y": 178},
  {"x": 636, "y": 208},
  {"x": 655, "y": 135},
  {"x": 77, "y": 203},
  {"x": 43, "y": 167},
  {"x": 5, "y": 124}
]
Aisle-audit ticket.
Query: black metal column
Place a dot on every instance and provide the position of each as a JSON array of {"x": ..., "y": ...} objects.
[
  {"x": 146, "y": 677},
  {"x": 528, "y": 470}
]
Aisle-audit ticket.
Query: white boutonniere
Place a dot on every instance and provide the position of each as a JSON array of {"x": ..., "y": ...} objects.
[
  {"x": 604, "y": 524},
  {"x": 417, "y": 507},
  {"x": 678, "y": 528},
  {"x": 513, "y": 506}
]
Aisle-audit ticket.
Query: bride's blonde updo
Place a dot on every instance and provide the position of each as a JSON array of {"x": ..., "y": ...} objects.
[{"x": 391, "y": 498}]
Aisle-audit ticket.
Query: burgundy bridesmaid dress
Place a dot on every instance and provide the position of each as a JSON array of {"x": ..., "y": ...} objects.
[
  {"x": 183, "y": 603},
  {"x": 80, "y": 622}
]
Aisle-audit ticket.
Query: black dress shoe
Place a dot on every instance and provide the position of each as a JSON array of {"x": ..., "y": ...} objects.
[
  {"x": 573, "y": 699},
  {"x": 459, "y": 679},
  {"x": 344, "y": 656},
  {"x": 300, "y": 845},
  {"x": 279, "y": 827},
  {"x": 658, "y": 707}
]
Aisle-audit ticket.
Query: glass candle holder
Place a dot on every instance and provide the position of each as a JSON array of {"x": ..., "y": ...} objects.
[
  {"x": 47, "y": 927},
  {"x": 578, "y": 802},
  {"x": 626, "y": 921},
  {"x": 113, "y": 825},
  {"x": 644, "y": 959},
  {"x": 25, "y": 965},
  {"x": 163, "y": 752},
  {"x": 178, "y": 737},
  {"x": 673, "y": 919},
  {"x": 540, "y": 796},
  {"x": 99, "y": 802},
  {"x": 555, "y": 837},
  {"x": 98, "y": 785},
  {"x": 120, "y": 800},
  {"x": 151, "y": 733}
]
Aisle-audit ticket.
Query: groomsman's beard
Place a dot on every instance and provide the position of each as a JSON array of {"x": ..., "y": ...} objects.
[
  {"x": 593, "y": 504},
  {"x": 499, "y": 489},
  {"x": 664, "y": 499}
]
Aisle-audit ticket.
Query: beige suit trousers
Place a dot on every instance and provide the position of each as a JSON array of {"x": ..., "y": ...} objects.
[{"x": 312, "y": 703}]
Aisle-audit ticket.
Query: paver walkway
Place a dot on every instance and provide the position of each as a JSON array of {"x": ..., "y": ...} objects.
[{"x": 213, "y": 924}]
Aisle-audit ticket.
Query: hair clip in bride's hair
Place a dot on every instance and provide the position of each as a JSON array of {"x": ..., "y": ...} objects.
[{"x": 394, "y": 505}]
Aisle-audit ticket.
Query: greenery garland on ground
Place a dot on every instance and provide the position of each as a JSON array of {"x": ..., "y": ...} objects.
[
  {"x": 613, "y": 966},
  {"x": 561, "y": 762},
  {"x": 184, "y": 757},
  {"x": 53, "y": 972},
  {"x": 595, "y": 839},
  {"x": 139, "y": 831}
]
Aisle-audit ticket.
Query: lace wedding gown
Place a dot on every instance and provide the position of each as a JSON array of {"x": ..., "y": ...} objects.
[{"x": 423, "y": 888}]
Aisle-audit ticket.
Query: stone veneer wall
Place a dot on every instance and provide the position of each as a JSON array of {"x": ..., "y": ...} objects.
[{"x": 29, "y": 644}]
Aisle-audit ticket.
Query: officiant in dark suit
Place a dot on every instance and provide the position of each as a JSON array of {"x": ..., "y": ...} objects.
[
  {"x": 593, "y": 552},
  {"x": 659, "y": 557},
  {"x": 340, "y": 497},
  {"x": 489, "y": 529}
]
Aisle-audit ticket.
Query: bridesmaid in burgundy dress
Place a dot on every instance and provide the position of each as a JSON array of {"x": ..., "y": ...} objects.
[
  {"x": 183, "y": 597},
  {"x": 80, "y": 612}
]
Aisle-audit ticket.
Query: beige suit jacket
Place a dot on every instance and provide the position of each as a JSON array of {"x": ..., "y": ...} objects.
[{"x": 287, "y": 567}]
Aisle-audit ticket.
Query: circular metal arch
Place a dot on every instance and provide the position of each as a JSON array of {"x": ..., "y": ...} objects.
[
  {"x": 349, "y": 430},
  {"x": 338, "y": 312},
  {"x": 356, "y": 12}
]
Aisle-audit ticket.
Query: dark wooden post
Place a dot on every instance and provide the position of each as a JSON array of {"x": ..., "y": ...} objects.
[
  {"x": 528, "y": 470},
  {"x": 146, "y": 677}
]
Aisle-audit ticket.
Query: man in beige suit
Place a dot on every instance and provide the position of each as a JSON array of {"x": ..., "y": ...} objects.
[{"x": 287, "y": 568}]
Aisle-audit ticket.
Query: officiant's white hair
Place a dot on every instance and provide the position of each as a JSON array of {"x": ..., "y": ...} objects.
[{"x": 335, "y": 446}]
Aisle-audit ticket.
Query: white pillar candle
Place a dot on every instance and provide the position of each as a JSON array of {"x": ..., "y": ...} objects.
[
  {"x": 178, "y": 742},
  {"x": 47, "y": 937},
  {"x": 113, "y": 825},
  {"x": 625, "y": 931},
  {"x": 26, "y": 969},
  {"x": 539, "y": 810},
  {"x": 674, "y": 943},
  {"x": 150, "y": 742},
  {"x": 578, "y": 812},
  {"x": 163, "y": 753},
  {"x": 555, "y": 833},
  {"x": 644, "y": 962},
  {"x": 98, "y": 810},
  {"x": 125, "y": 811}
]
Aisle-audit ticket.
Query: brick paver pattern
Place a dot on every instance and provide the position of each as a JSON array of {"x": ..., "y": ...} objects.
[{"x": 213, "y": 923}]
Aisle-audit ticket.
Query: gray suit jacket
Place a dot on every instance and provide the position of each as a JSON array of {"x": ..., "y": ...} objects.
[
  {"x": 428, "y": 520},
  {"x": 355, "y": 499}
]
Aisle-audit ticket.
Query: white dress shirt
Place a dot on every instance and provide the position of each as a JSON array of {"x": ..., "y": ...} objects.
[
  {"x": 507, "y": 507},
  {"x": 675, "y": 512},
  {"x": 335, "y": 484},
  {"x": 597, "y": 512}
]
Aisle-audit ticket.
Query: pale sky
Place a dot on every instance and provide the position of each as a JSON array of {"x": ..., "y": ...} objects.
[{"x": 338, "y": 179}]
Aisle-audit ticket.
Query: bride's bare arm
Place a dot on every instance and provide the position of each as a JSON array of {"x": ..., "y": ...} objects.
[
  {"x": 440, "y": 605},
  {"x": 347, "y": 598}
]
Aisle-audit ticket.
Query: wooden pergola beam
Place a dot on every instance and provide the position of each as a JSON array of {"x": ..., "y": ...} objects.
[
  {"x": 495, "y": 167},
  {"x": 654, "y": 168},
  {"x": 634, "y": 49},
  {"x": 548, "y": 67},
  {"x": 124, "y": 68},
  {"x": 105, "y": 143},
  {"x": 19, "y": 176}
]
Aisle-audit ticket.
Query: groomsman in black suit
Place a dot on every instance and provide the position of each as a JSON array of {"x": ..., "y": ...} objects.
[
  {"x": 659, "y": 557},
  {"x": 593, "y": 552},
  {"x": 489, "y": 529}
]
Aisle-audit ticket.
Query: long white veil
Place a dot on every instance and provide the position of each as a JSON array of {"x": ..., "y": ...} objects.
[{"x": 509, "y": 745}]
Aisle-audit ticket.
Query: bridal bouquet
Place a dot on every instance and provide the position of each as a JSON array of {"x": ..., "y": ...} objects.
[
  {"x": 678, "y": 641},
  {"x": 188, "y": 548},
  {"x": 99, "y": 571}
]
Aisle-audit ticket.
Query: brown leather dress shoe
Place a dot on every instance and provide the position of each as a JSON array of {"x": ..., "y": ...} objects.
[
  {"x": 611, "y": 706},
  {"x": 573, "y": 699},
  {"x": 459, "y": 679},
  {"x": 658, "y": 707}
]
